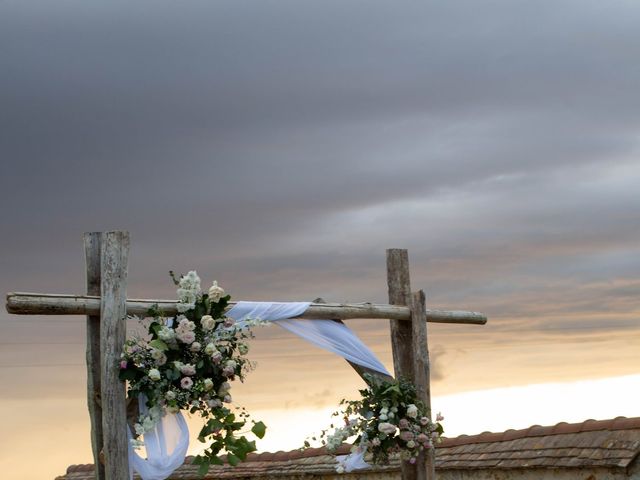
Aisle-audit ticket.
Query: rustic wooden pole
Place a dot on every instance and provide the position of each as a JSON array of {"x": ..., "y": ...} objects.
[
  {"x": 23, "y": 303},
  {"x": 115, "y": 253},
  {"x": 399, "y": 286},
  {"x": 426, "y": 462},
  {"x": 93, "y": 260}
]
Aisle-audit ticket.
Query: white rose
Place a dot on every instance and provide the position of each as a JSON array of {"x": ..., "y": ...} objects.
[
  {"x": 387, "y": 428},
  {"x": 195, "y": 347},
  {"x": 412, "y": 411},
  {"x": 210, "y": 348},
  {"x": 188, "y": 369},
  {"x": 207, "y": 322},
  {"x": 154, "y": 374},
  {"x": 170, "y": 395},
  {"x": 216, "y": 292},
  {"x": 243, "y": 348},
  {"x": 411, "y": 444},
  {"x": 208, "y": 384}
]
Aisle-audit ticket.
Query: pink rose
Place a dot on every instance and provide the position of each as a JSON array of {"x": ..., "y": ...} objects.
[
  {"x": 123, "y": 365},
  {"x": 439, "y": 417},
  {"x": 375, "y": 442},
  {"x": 424, "y": 421},
  {"x": 227, "y": 399},
  {"x": 412, "y": 460},
  {"x": 187, "y": 337},
  {"x": 407, "y": 436},
  {"x": 403, "y": 423},
  {"x": 186, "y": 383},
  {"x": 216, "y": 357},
  {"x": 422, "y": 438},
  {"x": 228, "y": 322}
]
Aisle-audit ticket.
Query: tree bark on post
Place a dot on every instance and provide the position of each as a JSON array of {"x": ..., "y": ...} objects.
[
  {"x": 93, "y": 260},
  {"x": 426, "y": 461},
  {"x": 115, "y": 253},
  {"x": 399, "y": 285}
]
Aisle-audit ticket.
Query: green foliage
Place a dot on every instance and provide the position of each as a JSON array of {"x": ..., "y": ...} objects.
[
  {"x": 155, "y": 367},
  {"x": 259, "y": 429},
  {"x": 388, "y": 418}
]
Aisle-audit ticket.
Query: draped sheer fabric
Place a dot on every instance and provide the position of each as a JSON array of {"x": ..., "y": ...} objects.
[
  {"x": 167, "y": 444},
  {"x": 326, "y": 334}
]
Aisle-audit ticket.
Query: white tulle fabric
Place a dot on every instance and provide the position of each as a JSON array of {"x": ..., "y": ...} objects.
[
  {"x": 353, "y": 461},
  {"x": 167, "y": 444},
  {"x": 327, "y": 334}
]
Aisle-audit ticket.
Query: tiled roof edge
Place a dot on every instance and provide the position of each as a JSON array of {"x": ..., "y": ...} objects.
[{"x": 618, "y": 423}]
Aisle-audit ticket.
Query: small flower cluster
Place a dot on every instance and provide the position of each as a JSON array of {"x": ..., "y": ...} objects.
[
  {"x": 388, "y": 419},
  {"x": 187, "y": 364}
]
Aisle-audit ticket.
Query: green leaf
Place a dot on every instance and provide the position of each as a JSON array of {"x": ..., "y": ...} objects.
[
  {"x": 159, "y": 345},
  {"x": 232, "y": 459},
  {"x": 259, "y": 429},
  {"x": 204, "y": 468},
  {"x": 154, "y": 327}
]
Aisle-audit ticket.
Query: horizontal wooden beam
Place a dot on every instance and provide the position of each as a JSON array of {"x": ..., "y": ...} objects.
[{"x": 52, "y": 304}]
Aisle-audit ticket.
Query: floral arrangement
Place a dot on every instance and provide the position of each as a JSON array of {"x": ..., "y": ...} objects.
[
  {"x": 388, "y": 419},
  {"x": 187, "y": 364}
]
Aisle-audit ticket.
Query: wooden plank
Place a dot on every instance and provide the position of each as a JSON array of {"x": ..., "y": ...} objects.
[
  {"x": 22, "y": 303},
  {"x": 92, "y": 243},
  {"x": 115, "y": 253},
  {"x": 425, "y": 465},
  {"x": 399, "y": 286}
]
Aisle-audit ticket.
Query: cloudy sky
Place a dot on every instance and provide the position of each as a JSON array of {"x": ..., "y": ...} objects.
[{"x": 281, "y": 146}]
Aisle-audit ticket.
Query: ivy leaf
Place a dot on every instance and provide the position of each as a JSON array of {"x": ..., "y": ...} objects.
[
  {"x": 159, "y": 345},
  {"x": 232, "y": 459},
  {"x": 259, "y": 429},
  {"x": 154, "y": 328},
  {"x": 204, "y": 468}
]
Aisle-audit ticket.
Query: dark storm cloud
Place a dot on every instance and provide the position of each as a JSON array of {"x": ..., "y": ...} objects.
[{"x": 282, "y": 146}]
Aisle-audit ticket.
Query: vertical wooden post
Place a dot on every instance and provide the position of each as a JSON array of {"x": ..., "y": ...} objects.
[
  {"x": 92, "y": 259},
  {"x": 426, "y": 461},
  {"x": 399, "y": 285},
  {"x": 115, "y": 253}
]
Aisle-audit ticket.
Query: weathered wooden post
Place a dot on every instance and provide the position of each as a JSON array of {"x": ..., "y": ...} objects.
[
  {"x": 93, "y": 261},
  {"x": 409, "y": 348},
  {"x": 425, "y": 466},
  {"x": 115, "y": 253}
]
